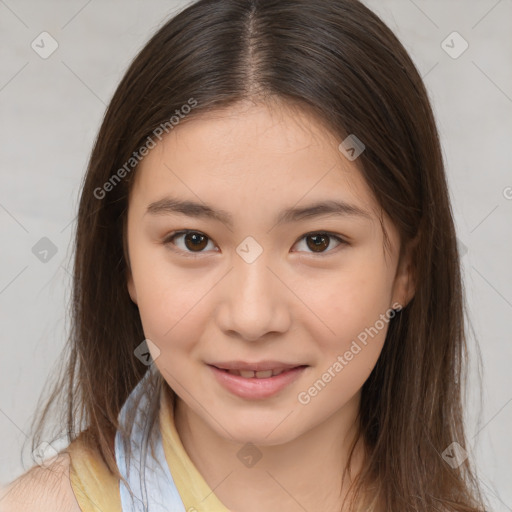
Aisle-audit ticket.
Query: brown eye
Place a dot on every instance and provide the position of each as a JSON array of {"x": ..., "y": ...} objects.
[
  {"x": 193, "y": 242},
  {"x": 320, "y": 242}
]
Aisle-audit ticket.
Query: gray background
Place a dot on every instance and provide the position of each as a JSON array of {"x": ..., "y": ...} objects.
[{"x": 51, "y": 109}]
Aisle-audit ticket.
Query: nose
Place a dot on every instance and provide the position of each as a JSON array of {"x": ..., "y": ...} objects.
[{"x": 254, "y": 301}]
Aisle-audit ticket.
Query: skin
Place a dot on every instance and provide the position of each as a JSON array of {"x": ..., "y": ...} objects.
[{"x": 291, "y": 304}]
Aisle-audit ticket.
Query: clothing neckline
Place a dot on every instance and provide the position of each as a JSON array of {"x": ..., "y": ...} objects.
[{"x": 192, "y": 487}]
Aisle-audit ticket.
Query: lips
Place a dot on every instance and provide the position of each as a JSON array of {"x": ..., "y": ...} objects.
[
  {"x": 256, "y": 381},
  {"x": 262, "y": 374},
  {"x": 258, "y": 370}
]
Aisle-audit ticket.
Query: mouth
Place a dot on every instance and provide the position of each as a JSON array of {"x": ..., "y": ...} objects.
[
  {"x": 256, "y": 380},
  {"x": 258, "y": 370},
  {"x": 261, "y": 374}
]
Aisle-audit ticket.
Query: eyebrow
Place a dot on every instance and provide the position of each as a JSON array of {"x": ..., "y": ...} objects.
[{"x": 169, "y": 205}]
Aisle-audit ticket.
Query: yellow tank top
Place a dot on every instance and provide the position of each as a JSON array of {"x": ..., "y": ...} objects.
[{"x": 96, "y": 488}]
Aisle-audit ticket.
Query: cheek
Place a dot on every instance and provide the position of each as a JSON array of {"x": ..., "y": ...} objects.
[
  {"x": 348, "y": 302},
  {"x": 351, "y": 306},
  {"x": 173, "y": 321},
  {"x": 170, "y": 312},
  {"x": 347, "y": 356},
  {"x": 167, "y": 298}
]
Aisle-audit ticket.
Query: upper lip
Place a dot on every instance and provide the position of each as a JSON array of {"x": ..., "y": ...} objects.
[{"x": 256, "y": 366}]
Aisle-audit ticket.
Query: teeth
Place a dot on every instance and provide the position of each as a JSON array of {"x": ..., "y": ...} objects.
[
  {"x": 249, "y": 374},
  {"x": 264, "y": 374}
]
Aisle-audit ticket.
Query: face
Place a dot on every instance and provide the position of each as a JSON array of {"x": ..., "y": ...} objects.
[{"x": 263, "y": 274}]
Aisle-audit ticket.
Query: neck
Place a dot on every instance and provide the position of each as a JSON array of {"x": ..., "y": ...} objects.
[{"x": 302, "y": 474}]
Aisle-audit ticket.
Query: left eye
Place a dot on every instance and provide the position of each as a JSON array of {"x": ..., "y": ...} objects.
[
  {"x": 195, "y": 242},
  {"x": 318, "y": 242}
]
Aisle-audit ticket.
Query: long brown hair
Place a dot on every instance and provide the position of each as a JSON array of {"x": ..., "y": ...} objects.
[{"x": 339, "y": 61}]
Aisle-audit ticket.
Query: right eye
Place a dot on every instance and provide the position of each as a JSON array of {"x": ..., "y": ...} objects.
[{"x": 193, "y": 242}]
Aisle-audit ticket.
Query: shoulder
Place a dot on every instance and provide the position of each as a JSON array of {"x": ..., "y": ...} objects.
[{"x": 43, "y": 488}]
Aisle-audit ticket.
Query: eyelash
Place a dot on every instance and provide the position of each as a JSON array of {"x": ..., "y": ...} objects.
[{"x": 168, "y": 241}]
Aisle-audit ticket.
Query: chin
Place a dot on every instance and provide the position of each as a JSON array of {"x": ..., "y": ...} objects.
[{"x": 267, "y": 430}]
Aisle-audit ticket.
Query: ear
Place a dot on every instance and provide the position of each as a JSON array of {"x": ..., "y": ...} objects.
[
  {"x": 131, "y": 286},
  {"x": 129, "y": 277},
  {"x": 404, "y": 285}
]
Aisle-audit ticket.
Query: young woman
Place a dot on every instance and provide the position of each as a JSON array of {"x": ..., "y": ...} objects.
[{"x": 267, "y": 297}]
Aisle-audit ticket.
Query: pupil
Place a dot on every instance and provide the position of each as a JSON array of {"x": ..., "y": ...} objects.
[
  {"x": 320, "y": 242},
  {"x": 198, "y": 241}
]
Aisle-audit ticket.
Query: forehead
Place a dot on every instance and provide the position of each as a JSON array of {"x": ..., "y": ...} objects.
[{"x": 251, "y": 153}]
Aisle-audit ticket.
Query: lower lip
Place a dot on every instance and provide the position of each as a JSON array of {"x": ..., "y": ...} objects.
[{"x": 254, "y": 388}]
